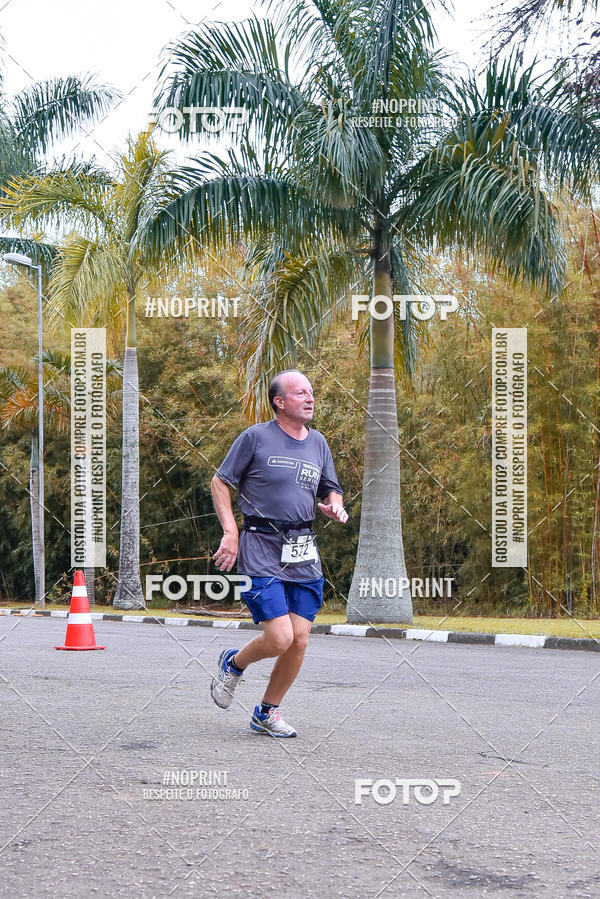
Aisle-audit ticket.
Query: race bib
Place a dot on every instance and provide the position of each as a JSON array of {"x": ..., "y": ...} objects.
[{"x": 299, "y": 550}]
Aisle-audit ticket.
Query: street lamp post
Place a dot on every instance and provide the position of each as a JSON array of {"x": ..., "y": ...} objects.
[{"x": 26, "y": 262}]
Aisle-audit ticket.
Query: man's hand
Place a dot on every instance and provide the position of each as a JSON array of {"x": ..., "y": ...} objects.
[
  {"x": 227, "y": 552},
  {"x": 334, "y": 510}
]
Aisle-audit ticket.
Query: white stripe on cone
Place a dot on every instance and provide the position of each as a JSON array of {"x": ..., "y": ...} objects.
[
  {"x": 80, "y": 618},
  {"x": 80, "y": 591}
]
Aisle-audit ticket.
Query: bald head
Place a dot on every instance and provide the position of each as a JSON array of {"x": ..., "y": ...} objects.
[{"x": 291, "y": 395}]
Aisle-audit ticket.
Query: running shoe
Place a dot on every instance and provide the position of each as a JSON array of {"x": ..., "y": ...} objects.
[
  {"x": 271, "y": 723},
  {"x": 225, "y": 681}
]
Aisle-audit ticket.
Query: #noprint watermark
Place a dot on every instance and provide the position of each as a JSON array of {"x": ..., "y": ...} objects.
[
  {"x": 192, "y": 307},
  {"x": 405, "y": 112},
  {"x": 509, "y": 447},
  {"x": 420, "y": 306},
  {"x": 421, "y": 790},
  {"x": 207, "y": 119},
  {"x": 88, "y": 447},
  {"x": 216, "y": 586},
  {"x": 396, "y": 586},
  {"x": 206, "y": 785}
]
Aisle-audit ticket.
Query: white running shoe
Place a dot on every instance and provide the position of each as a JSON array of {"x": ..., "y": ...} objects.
[
  {"x": 225, "y": 681},
  {"x": 270, "y": 723}
]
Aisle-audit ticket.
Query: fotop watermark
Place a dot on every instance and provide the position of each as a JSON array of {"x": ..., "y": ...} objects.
[
  {"x": 403, "y": 112},
  {"x": 422, "y": 306},
  {"x": 209, "y": 119},
  {"x": 397, "y": 586},
  {"x": 422, "y": 790},
  {"x": 196, "y": 784},
  {"x": 187, "y": 307},
  {"x": 216, "y": 586}
]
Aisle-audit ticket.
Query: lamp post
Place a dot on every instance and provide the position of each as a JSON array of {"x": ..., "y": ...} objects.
[{"x": 25, "y": 262}]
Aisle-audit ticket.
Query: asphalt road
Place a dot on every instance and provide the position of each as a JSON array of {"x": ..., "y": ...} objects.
[{"x": 85, "y": 734}]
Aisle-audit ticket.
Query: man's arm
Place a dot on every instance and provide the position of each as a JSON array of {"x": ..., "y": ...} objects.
[
  {"x": 333, "y": 507},
  {"x": 227, "y": 552}
]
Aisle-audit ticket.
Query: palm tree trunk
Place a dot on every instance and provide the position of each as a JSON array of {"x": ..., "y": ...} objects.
[
  {"x": 128, "y": 594},
  {"x": 380, "y": 565},
  {"x": 34, "y": 505}
]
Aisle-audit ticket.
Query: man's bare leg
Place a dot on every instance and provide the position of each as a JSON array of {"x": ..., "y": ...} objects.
[
  {"x": 288, "y": 664},
  {"x": 277, "y": 636}
]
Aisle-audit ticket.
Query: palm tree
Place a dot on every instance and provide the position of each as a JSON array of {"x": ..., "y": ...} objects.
[
  {"x": 99, "y": 272},
  {"x": 43, "y": 113},
  {"x": 19, "y": 411},
  {"x": 30, "y": 122},
  {"x": 325, "y": 201},
  {"x": 311, "y": 197}
]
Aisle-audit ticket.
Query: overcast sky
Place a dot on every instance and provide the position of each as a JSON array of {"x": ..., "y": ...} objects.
[{"x": 121, "y": 41}]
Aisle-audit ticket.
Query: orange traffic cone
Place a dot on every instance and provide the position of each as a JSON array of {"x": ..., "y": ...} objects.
[{"x": 80, "y": 632}]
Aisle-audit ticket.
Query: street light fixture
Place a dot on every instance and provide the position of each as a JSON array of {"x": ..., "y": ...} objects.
[{"x": 26, "y": 262}]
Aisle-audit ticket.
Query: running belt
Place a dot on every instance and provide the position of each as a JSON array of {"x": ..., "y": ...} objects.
[{"x": 272, "y": 525}]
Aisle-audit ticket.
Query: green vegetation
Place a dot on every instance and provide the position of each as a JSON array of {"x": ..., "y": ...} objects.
[
  {"x": 329, "y": 203},
  {"x": 188, "y": 371},
  {"x": 492, "y": 204}
]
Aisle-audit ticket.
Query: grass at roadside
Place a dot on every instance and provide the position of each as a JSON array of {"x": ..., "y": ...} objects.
[{"x": 552, "y": 627}]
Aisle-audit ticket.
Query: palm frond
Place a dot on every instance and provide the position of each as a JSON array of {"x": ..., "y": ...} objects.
[
  {"x": 15, "y": 157},
  {"x": 539, "y": 122},
  {"x": 334, "y": 157},
  {"x": 54, "y": 109},
  {"x": 231, "y": 64},
  {"x": 398, "y": 28},
  {"x": 327, "y": 34},
  {"x": 56, "y": 362},
  {"x": 229, "y": 207},
  {"x": 39, "y": 252},
  {"x": 13, "y": 378},
  {"x": 294, "y": 308},
  {"x": 140, "y": 190},
  {"x": 89, "y": 276},
  {"x": 19, "y": 400},
  {"x": 484, "y": 207},
  {"x": 70, "y": 196}
]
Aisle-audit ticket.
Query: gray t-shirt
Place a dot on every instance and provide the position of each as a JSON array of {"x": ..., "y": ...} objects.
[{"x": 277, "y": 477}]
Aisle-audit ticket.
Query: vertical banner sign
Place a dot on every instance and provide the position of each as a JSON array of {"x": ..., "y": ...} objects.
[
  {"x": 509, "y": 447},
  {"x": 88, "y": 447}
]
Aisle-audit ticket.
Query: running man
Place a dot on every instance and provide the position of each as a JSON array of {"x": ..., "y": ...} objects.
[{"x": 279, "y": 468}]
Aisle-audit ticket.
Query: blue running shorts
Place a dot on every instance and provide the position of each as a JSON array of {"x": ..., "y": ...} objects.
[{"x": 269, "y": 597}]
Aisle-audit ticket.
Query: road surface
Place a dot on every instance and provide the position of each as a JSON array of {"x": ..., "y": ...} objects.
[{"x": 89, "y": 741}]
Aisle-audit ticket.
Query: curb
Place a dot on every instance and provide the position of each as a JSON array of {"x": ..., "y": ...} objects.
[{"x": 530, "y": 641}]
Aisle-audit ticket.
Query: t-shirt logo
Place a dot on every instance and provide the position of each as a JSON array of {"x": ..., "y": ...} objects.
[{"x": 307, "y": 473}]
